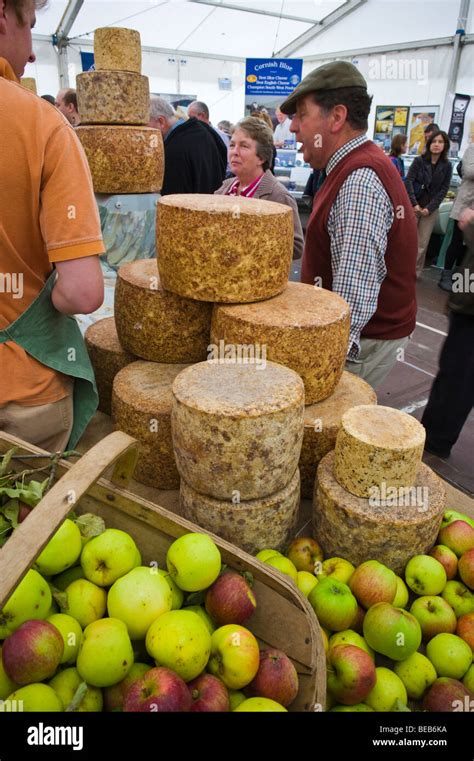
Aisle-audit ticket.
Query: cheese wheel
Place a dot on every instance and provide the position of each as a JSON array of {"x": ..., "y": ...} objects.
[
  {"x": 124, "y": 159},
  {"x": 224, "y": 248},
  {"x": 141, "y": 406},
  {"x": 113, "y": 97},
  {"x": 253, "y": 525},
  {"x": 29, "y": 83},
  {"x": 392, "y": 530},
  {"x": 304, "y": 328},
  {"x": 322, "y": 422},
  {"x": 155, "y": 324},
  {"x": 237, "y": 428},
  {"x": 377, "y": 446},
  {"x": 107, "y": 357},
  {"x": 118, "y": 49}
]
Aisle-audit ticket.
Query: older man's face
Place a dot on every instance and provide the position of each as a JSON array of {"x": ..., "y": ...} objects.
[{"x": 311, "y": 126}]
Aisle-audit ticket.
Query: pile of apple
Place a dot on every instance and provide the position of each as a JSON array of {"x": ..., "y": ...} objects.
[
  {"x": 123, "y": 641},
  {"x": 393, "y": 644}
]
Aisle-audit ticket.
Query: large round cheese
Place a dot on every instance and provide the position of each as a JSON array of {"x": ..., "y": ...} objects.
[
  {"x": 141, "y": 406},
  {"x": 124, "y": 159},
  {"x": 304, "y": 328},
  {"x": 377, "y": 446},
  {"x": 393, "y": 529},
  {"x": 224, "y": 248},
  {"x": 237, "y": 428},
  {"x": 108, "y": 357},
  {"x": 322, "y": 422},
  {"x": 155, "y": 324},
  {"x": 253, "y": 525},
  {"x": 118, "y": 49},
  {"x": 113, "y": 97}
]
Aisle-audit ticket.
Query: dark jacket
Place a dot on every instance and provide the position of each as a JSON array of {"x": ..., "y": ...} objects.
[
  {"x": 195, "y": 159},
  {"x": 428, "y": 184},
  {"x": 461, "y": 299}
]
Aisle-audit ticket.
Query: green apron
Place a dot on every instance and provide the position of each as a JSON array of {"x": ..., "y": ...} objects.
[{"x": 54, "y": 339}]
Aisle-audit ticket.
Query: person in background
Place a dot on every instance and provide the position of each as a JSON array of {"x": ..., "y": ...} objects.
[
  {"x": 398, "y": 146},
  {"x": 225, "y": 126},
  {"x": 195, "y": 155},
  {"x": 430, "y": 130},
  {"x": 200, "y": 111},
  {"x": 452, "y": 394},
  {"x": 50, "y": 242},
  {"x": 358, "y": 243},
  {"x": 66, "y": 102},
  {"x": 427, "y": 183},
  {"x": 312, "y": 187},
  {"x": 464, "y": 200},
  {"x": 282, "y": 133},
  {"x": 264, "y": 117},
  {"x": 250, "y": 154},
  {"x": 50, "y": 98}
]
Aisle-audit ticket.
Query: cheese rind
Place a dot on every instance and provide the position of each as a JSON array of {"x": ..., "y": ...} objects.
[
  {"x": 237, "y": 429},
  {"x": 252, "y": 525},
  {"x": 304, "y": 328},
  {"x": 360, "y": 529},
  {"x": 123, "y": 159},
  {"x": 113, "y": 97},
  {"x": 141, "y": 406},
  {"x": 107, "y": 356},
  {"x": 155, "y": 324},
  {"x": 223, "y": 248},
  {"x": 322, "y": 422},
  {"x": 377, "y": 446},
  {"x": 117, "y": 48}
]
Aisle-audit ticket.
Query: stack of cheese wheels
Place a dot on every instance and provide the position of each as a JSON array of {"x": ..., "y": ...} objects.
[
  {"x": 107, "y": 356},
  {"x": 125, "y": 156},
  {"x": 237, "y": 434},
  {"x": 374, "y": 499},
  {"x": 29, "y": 83}
]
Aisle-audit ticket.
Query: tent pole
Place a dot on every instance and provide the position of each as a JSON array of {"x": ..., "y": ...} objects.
[{"x": 454, "y": 65}]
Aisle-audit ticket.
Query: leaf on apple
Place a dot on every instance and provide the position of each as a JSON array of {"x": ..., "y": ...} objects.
[
  {"x": 90, "y": 525},
  {"x": 11, "y": 511},
  {"x": 248, "y": 578},
  {"x": 60, "y": 597},
  {"x": 5, "y": 461},
  {"x": 78, "y": 697},
  {"x": 195, "y": 598}
]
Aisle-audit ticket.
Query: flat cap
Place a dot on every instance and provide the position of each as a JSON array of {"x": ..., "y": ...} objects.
[{"x": 331, "y": 76}]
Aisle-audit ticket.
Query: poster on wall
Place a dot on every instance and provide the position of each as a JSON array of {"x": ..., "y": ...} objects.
[
  {"x": 268, "y": 82},
  {"x": 456, "y": 125},
  {"x": 179, "y": 101},
  {"x": 87, "y": 60},
  {"x": 389, "y": 121},
  {"x": 420, "y": 117}
]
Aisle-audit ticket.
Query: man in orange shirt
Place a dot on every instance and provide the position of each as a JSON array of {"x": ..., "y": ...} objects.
[{"x": 50, "y": 242}]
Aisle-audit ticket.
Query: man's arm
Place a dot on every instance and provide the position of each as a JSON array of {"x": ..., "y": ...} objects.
[
  {"x": 358, "y": 225},
  {"x": 79, "y": 287}
]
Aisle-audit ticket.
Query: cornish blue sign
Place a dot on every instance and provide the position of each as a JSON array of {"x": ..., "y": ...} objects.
[{"x": 272, "y": 76}]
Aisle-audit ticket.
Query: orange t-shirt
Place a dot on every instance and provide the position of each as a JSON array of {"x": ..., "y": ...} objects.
[{"x": 47, "y": 214}]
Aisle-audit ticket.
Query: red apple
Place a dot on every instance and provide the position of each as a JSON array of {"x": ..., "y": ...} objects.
[
  {"x": 351, "y": 674},
  {"x": 373, "y": 582},
  {"x": 230, "y": 600},
  {"x": 159, "y": 690},
  {"x": 276, "y": 678},
  {"x": 209, "y": 694},
  {"x": 115, "y": 695},
  {"x": 465, "y": 629},
  {"x": 304, "y": 553},
  {"x": 447, "y": 558},
  {"x": 434, "y": 615},
  {"x": 447, "y": 695},
  {"x": 33, "y": 652},
  {"x": 23, "y": 512},
  {"x": 458, "y": 536},
  {"x": 466, "y": 568},
  {"x": 358, "y": 622}
]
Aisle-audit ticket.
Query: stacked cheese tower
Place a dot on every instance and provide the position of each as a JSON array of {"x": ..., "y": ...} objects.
[
  {"x": 374, "y": 498},
  {"x": 124, "y": 155}
]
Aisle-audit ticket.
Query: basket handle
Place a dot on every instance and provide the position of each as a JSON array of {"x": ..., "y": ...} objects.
[{"x": 25, "y": 544}]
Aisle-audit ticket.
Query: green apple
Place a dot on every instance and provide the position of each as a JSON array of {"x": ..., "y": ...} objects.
[
  {"x": 7, "y": 685},
  {"x": 350, "y": 637},
  {"x": 402, "y": 595},
  {"x": 235, "y": 656},
  {"x": 177, "y": 594},
  {"x": 459, "y": 597},
  {"x": 453, "y": 515},
  {"x": 284, "y": 565},
  {"x": 359, "y": 708},
  {"x": 256, "y": 705},
  {"x": 65, "y": 578},
  {"x": 336, "y": 568},
  {"x": 236, "y": 698},
  {"x": 108, "y": 556},
  {"x": 391, "y": 631},
  {"x": 85, "y": 601},
  {"x": 425, "y": 575},
  {"x": 434, "y": 616},
  {"x": 53, "y": 608},
  {"x": 388, "y": 689},
  {"x": 194, "y": 562},
  {"x": 306, "y": 582},
  {"x": 334, "y": 604},
  {"x": 65, "y": 685},
  {"x": 34, "y": 698},
  {"x": 71, "y": 633},
  {"x": 263, "y": 555},
  {"x": 106, "y": 653},
  {"x": 417, "y": 674},
  {"x": 138, "y": 599},
  {"x": 468, "y": 678},
  {"x": 62, "y": 550},
  {"x": 31, "y": 599},
  {"x": 204, "y": 616},
  {"x": 180, "y": 641},
  {"x": 450, "y": 655}
]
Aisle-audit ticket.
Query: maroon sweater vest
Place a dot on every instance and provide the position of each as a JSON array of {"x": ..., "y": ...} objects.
[{"x": 395, "y": 316}]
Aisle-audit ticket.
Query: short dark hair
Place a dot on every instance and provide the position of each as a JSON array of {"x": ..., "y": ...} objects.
[
  {"x": 201, "y": 108},
  {"x": 70, "y": 97},
  {"x": 447, "y": 143},
  {"x": 49, "y": 98},
  {"x": 398, "y": 141},
  {"x": 433, "y": 127},
  {"x": 19, "y": 7},
  {"x": 355, "y": 99}
]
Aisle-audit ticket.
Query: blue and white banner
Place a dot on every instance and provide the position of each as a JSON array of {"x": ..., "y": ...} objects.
[{"x": 275, "y": 77}]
